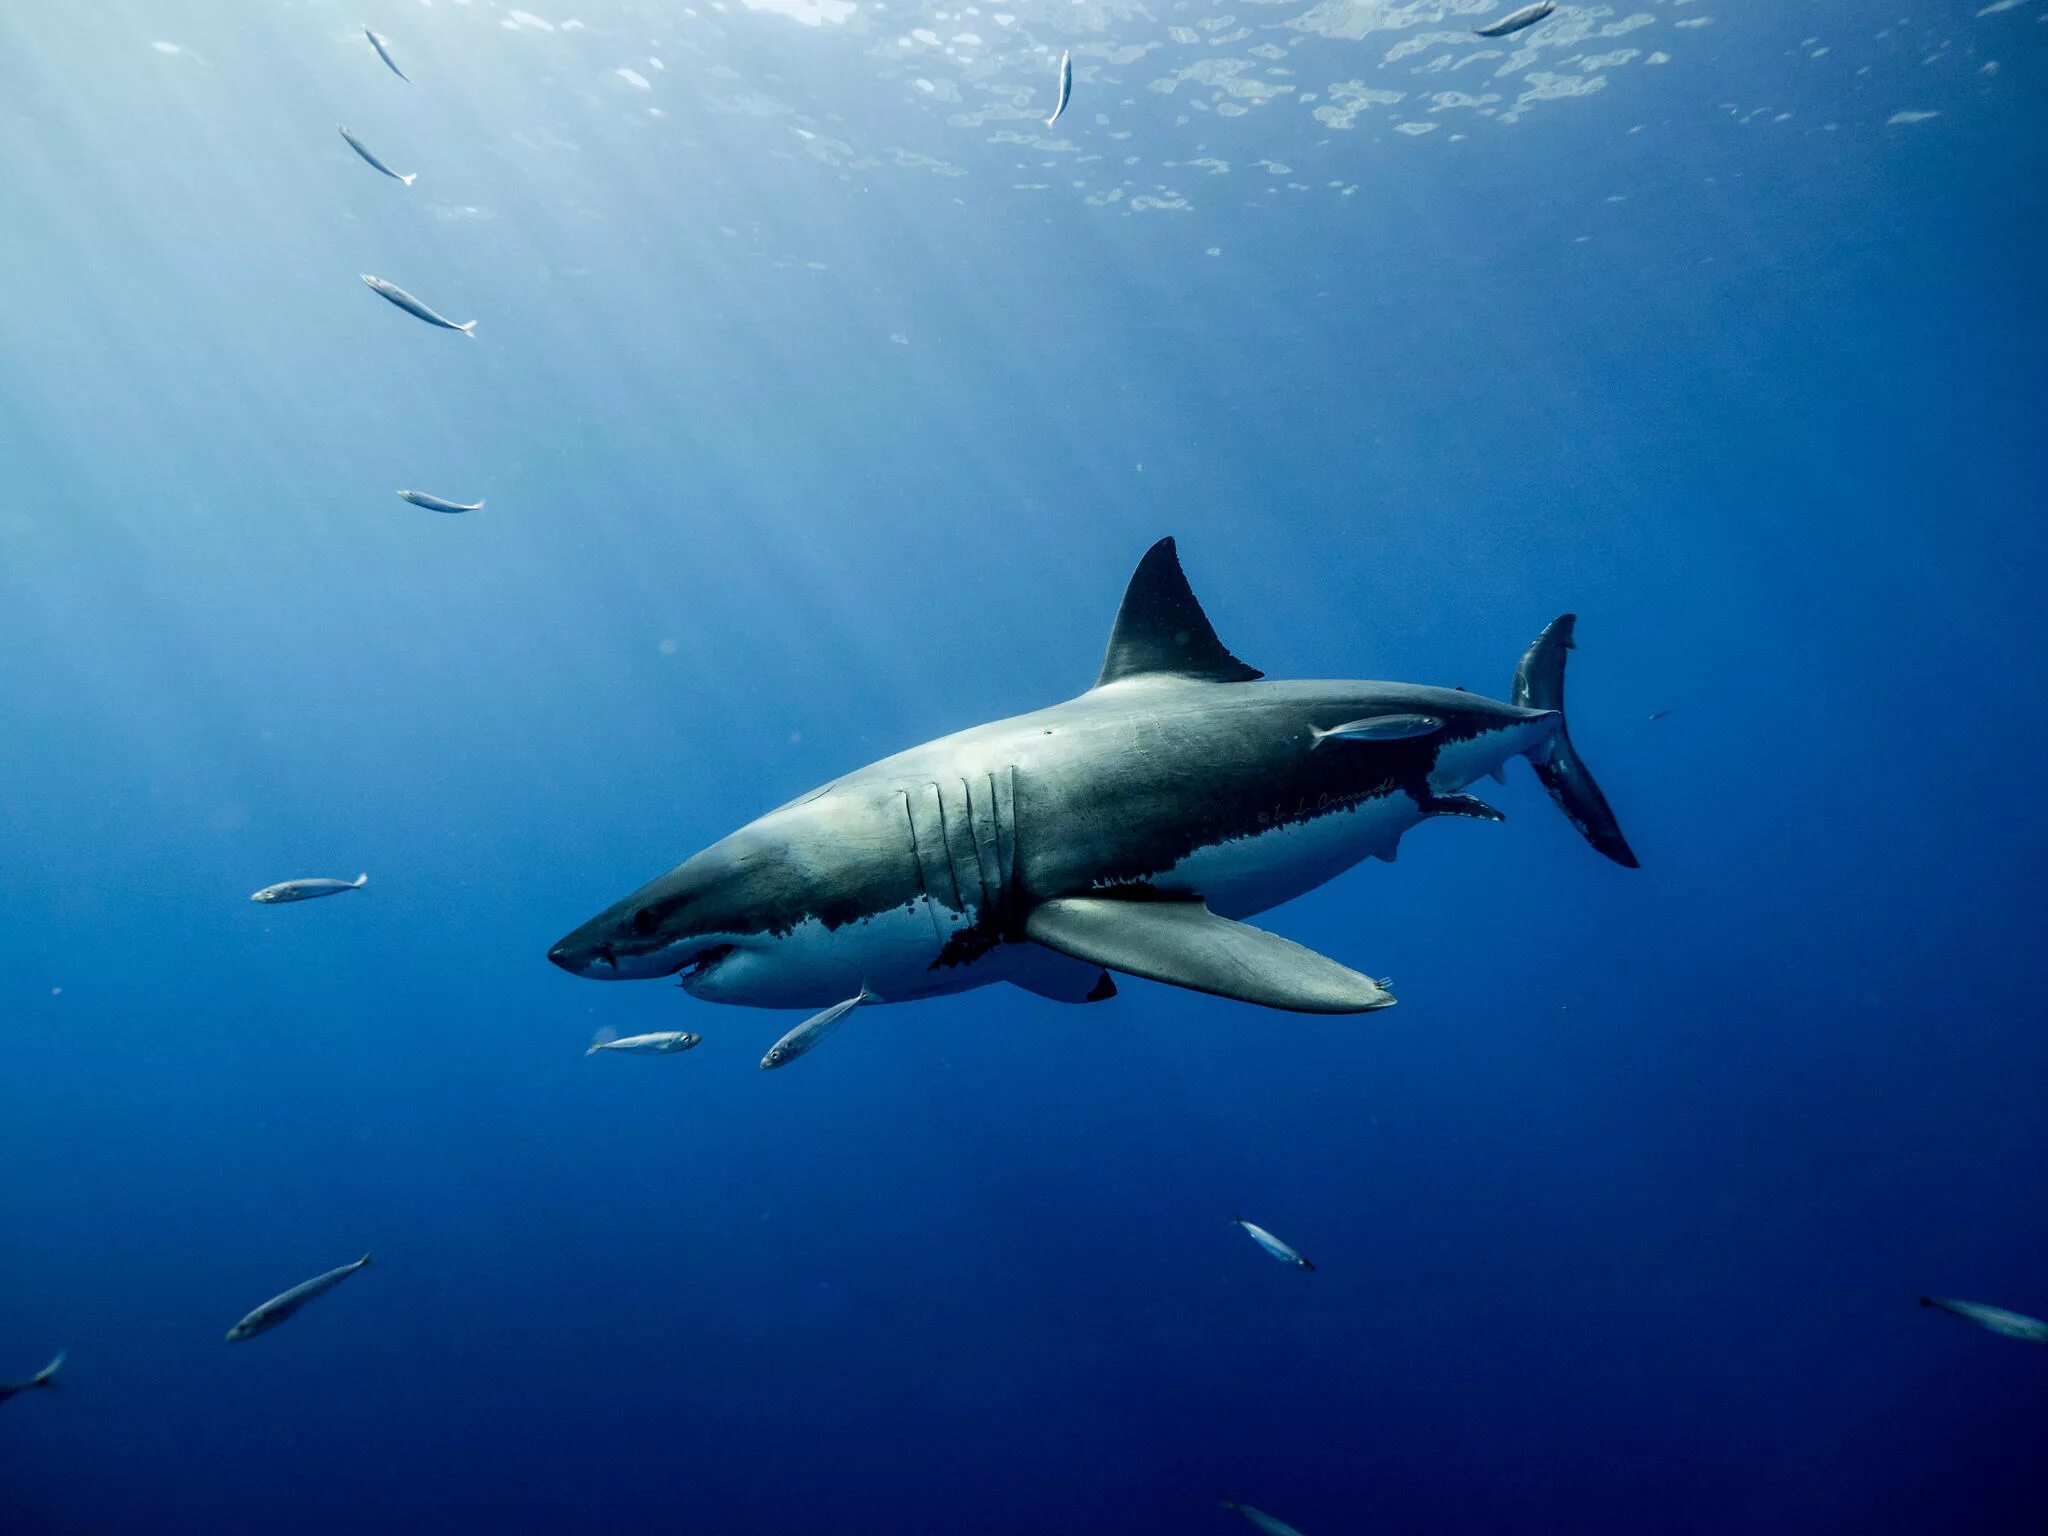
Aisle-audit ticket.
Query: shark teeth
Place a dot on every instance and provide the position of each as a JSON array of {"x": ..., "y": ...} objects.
[{"x": 701, "y": 962}]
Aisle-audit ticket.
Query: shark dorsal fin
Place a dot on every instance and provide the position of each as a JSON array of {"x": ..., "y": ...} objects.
[{"x": 1161, "y": 629}]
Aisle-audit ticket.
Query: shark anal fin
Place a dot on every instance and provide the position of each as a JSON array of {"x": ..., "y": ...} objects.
[
  {"x": 1459, "y": 805},
  {"x": 1161, "y": 629},
  {"x": 1184, "y": 944}
]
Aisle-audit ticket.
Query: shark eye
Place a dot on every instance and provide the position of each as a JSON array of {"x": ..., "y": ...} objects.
[{"x": 643, "y": 921}]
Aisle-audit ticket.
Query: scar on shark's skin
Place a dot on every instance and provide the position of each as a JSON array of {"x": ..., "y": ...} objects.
[{"x": 1128, "y": 830}]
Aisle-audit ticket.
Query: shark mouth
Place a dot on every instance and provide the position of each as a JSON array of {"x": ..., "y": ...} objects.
[{"x": 699, "y": 965}]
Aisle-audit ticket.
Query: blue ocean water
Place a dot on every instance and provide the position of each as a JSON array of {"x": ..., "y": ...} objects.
[{"x": 823, "y": 400}]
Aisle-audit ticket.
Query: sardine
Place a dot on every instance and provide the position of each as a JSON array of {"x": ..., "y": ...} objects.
[
  {"x": 384, "y": 53},
  {"x": 1272, "y": 1244},
  {"x": 1262, "y": 1520},
  {"x": 278, "y": 1308},
  {"x": 2013, "y": 1325},
  {"x": 436, "y": 504},
  {"x": 1378, "y": 728},
  {"x": 1515, "y": 21},
  {"x": 46, "y": 1377},
  {"x": 664, "y": 1043},
  {"x": 412, "y": 306},
  {"x": 1066, "y": 87},
  {"x": 306, "y": 890},
  {"x": 807, "y": 1034},
  {"x": 363, "y": 149},
  {"x": 1659, "y": 714}
]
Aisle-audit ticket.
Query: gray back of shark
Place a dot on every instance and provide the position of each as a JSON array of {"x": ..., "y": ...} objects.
[{"x": 1130, "y": 829}]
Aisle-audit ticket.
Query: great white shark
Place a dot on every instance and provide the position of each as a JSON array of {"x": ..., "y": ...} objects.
[{"x": 1131, "y": 830}]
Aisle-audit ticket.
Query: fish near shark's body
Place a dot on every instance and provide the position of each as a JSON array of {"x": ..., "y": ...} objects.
[{"x": 1125, "y": 830}]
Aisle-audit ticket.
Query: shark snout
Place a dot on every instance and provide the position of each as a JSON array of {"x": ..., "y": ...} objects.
[{"x": 588, "y": 958}]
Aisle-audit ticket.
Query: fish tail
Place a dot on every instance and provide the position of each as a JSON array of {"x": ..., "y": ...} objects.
[
  {"x": 47, "y": 1376},
  {"x": 1539, "y": 684},
  {"x": 409, "y": 180},
  {"x": 468, "y": 329},
  {"x": 360, "y": 880},
  {"x": 365, "y": 1259}
]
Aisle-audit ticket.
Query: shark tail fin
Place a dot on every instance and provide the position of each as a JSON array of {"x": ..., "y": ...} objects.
[
  {"x": 47, "y": 1376},
  {"x": 360, "y": 880},
  {"x": 1539, "y": 684},
  {"x": 363, "y": 1262},
  {"x": 409, "y": 180},
  {"x": 468, "y": 327}
]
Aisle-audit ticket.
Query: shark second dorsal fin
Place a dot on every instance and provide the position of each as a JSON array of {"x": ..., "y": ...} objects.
[{"x": 1161, "y": 629}]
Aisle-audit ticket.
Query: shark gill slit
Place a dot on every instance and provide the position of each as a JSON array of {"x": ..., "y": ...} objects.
[
  {"x": 982, "y": 819},
  {"x": 924, "y": 884},
  {"x": 1006, "y": 839}
]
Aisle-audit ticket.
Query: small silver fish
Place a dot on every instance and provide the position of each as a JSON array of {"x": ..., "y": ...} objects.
[
  {"x": 1515, "y": 21},
  {"x": 1659, "y": 714},
  {"x": 2013, "y": 1325},
  {"x": 46, "y": 1377},
  {"x": 663, "y": 1043},
  {"x": 1066, "y": 87},
  {"x": 384, "y": 53},
  {"x": 436, "y": 504},
  {"x": 278, "y": 1308},
  {"x": 1272, "y": 1244},
  {"x": 306, "y": 890},
  {"x": 807, "y": 1034},
  {"x": 412, "y": 306},
  {"x": 1378, "y": 728},
  {"x": 363, "y": 149},
  {"x": 1262, "y": 1520}
]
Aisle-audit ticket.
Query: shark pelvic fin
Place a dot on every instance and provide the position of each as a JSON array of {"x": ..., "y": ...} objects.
[
  {"x": 1184, "y": 944},
  {"x": 1459, "y": 805},
  {"x": 1161, "y": 629}
]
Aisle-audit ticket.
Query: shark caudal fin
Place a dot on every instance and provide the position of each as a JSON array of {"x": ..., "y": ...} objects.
[
  {"x": 47, "y": 1376},
  {"x": 1539, "y": 684}
]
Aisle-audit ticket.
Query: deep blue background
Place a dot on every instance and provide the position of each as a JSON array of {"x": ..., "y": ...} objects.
[{"x": 1619, "y": 1216}]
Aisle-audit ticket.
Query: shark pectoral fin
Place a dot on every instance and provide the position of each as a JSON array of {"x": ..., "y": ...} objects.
[
  {"x": 1184, "y": 944},
  {"x": 1459, "y": 805},
  {"x": 1057, "y": 977}
]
